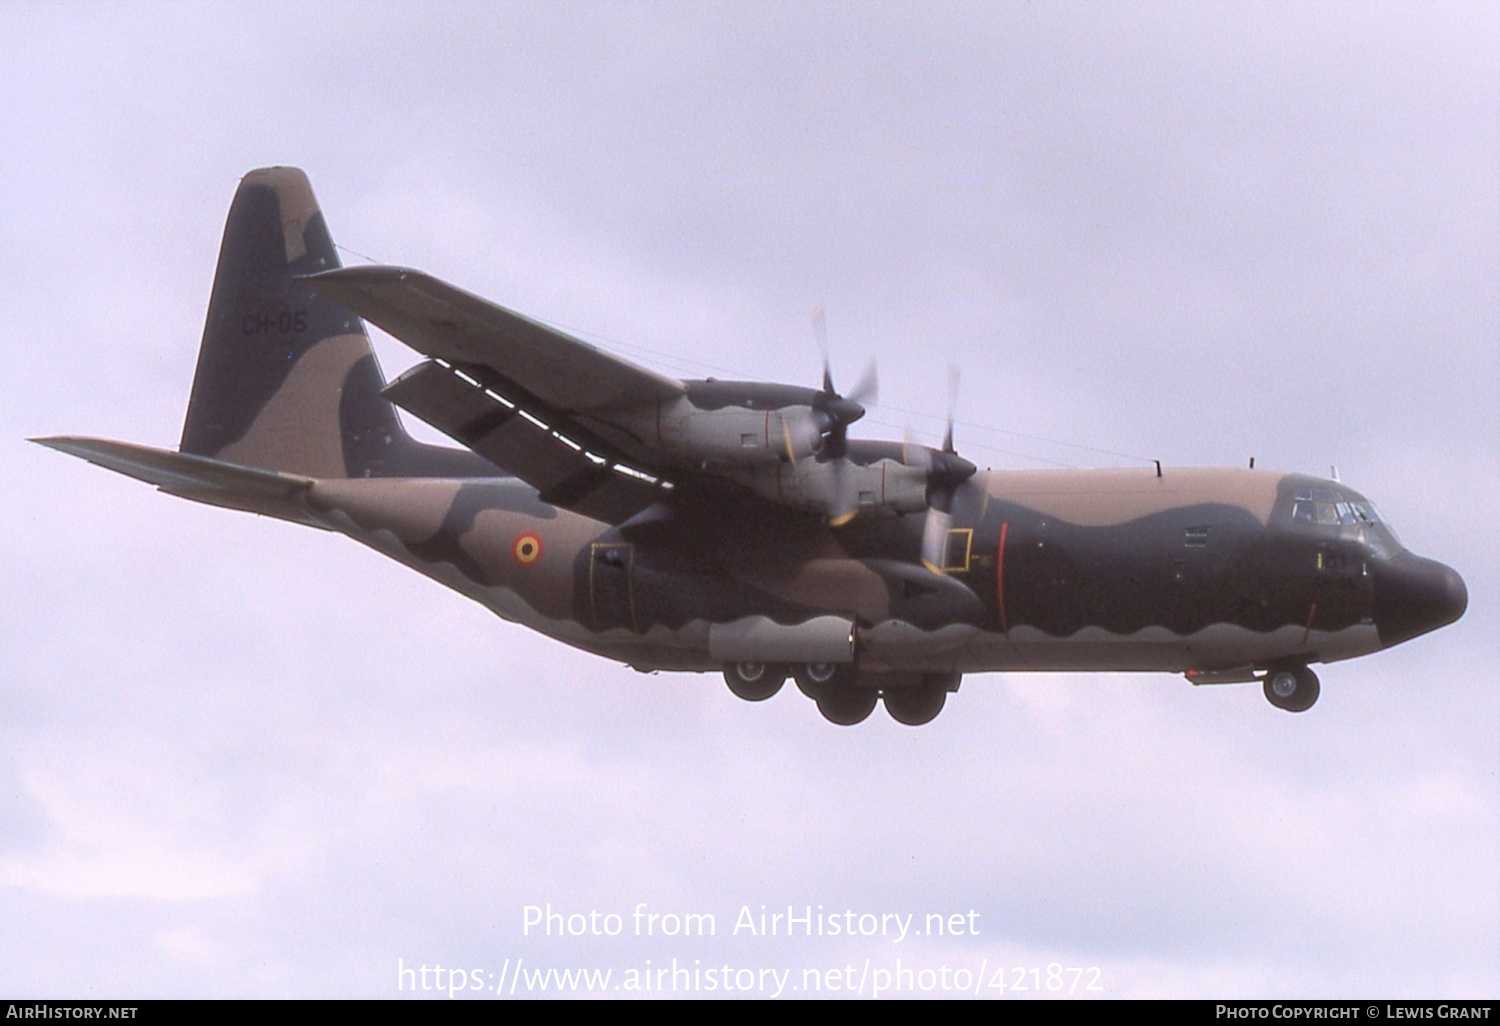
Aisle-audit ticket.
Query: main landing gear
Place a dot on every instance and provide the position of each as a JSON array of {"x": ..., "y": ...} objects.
[
  {"x": 844, "y": 695},
  {"x": 836, "y": 689},
  {"x": 920, "y": 702},
  {"x": 754, "y": 682},
  {"x": 1293, "y": 688}
]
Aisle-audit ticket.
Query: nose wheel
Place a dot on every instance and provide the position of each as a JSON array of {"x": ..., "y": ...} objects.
[{"x": 1294, "y": 689}]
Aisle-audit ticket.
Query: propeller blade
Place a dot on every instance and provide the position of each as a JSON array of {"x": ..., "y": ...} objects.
[
  {"x": 826, "y": 431},
  {"x": 820, "y": 332},
  {"x": 845, "y": 502},
  {"x": 867, "y": 388},
  {"x": 953, "y": 376},
  {"x": 935, "y": 538},
  {"x": 946, "y": 472}
]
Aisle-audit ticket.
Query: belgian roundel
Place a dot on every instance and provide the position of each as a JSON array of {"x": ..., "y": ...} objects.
[{"x": 527, "y": 548}]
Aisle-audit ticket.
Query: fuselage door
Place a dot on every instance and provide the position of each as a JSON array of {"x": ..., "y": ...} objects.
[
  {"x": 1342, "y": 587},
  {"x": 611, "y": 587}
]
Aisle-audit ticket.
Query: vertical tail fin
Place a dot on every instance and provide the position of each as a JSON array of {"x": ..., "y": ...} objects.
[{"x": 286, "y": 378}]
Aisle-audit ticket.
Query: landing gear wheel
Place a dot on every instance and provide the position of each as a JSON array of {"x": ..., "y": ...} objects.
[
  {"x": 1294, "y": 689},
  {"x": 918, "y": 705},
  {"x": 836, "y": 689},
  {"x": 754, "y": 682},
  {"x": 813, "y": 678},
  {"x": 847, "y": 705}
]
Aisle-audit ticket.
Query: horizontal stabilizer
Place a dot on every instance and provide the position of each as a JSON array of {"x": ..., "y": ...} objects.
[{"x": 215, "y": 482}]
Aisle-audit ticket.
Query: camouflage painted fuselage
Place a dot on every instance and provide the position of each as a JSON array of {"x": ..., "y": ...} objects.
[
  {"x": 1195, "y": 570},
  {"x": 707, "y": 525}
]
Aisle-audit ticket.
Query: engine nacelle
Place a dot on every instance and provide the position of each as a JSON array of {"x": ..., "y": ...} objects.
[
  {"x": 732, "y": 436},
  {"x": 729, "y": 435},
  {"x": 886, "y": 485}
]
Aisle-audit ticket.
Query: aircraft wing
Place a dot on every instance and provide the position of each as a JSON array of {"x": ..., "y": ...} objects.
[
  {"x": 447, "y": 323},
  {"x": 524, "y": 396},
  {"x": 545, "y": 447}
]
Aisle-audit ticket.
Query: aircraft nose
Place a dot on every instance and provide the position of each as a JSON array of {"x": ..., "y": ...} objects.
[{"x": 1415, "y": 595}]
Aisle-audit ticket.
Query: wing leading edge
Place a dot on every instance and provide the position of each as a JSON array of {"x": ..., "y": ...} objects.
[{"x": 447, "y": 323}]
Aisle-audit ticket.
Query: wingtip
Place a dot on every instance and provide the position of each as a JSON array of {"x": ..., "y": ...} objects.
[
  {"x": 85, "y": 447},
  {"x": 62, "y": 443}
]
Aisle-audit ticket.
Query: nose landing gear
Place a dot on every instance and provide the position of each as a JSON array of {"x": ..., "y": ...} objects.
[{"x": 1293, "y": 688}]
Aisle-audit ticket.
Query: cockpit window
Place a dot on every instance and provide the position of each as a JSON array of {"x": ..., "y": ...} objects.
[{"x": 1331, "y": 507}]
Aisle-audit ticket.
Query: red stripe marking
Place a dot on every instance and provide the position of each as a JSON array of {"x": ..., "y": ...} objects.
[
  {"x": 1000, "y": 577},
  {"x": 1312, "y": 611}
]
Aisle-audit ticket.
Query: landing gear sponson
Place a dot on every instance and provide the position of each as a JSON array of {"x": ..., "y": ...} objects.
[{"x": 843, "y": 694}]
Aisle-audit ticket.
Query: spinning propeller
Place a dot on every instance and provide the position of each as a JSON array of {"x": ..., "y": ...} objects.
[
  {"x": 826, "y": 432},
  {"x": 946, "y": 471}
]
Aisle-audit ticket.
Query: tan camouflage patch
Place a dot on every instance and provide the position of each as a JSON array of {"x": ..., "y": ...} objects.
[
  {"x": 545, "y": 580},
  {"x": 1101, "y": 498},
  {"x": 411, "y": 509},
  {"x": 298, "y": 429}
]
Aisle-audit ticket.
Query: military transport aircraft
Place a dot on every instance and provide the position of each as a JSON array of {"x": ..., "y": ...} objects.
[{"x": 735, "y": 527}]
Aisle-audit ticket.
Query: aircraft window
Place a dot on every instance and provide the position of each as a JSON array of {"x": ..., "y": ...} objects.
[
  {"x": 956, "y": 549},
  {"x": 1331, "y": 507},
  {"x": 1328, "y": 507},
  {"x": 1325, "y": 506}
]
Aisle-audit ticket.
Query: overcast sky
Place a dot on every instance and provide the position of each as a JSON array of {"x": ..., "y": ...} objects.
[{"x": 239, "y": 757}]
